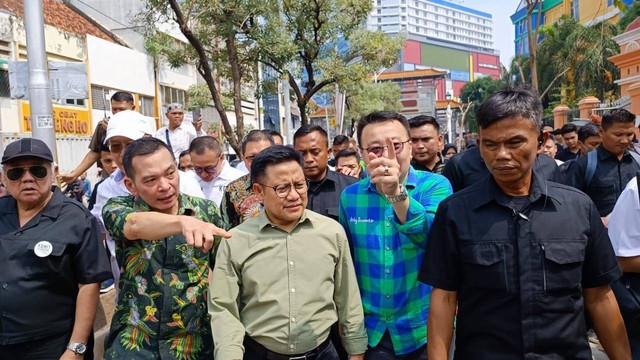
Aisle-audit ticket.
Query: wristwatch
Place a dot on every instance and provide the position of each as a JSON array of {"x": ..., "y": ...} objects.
[
  {"x": 400, "y": 197},
  {"x": 78, "y": 348}
]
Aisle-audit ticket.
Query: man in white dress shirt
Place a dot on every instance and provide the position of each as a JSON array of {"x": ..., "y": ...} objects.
[
  {"x": 124, "y": 128},
  {"x": 210, "y": 168},
  {"x": 178, "y": 134},
  {"x": 624, "y": 232}
]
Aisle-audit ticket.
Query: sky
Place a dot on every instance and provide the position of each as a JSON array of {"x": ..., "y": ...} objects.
[{"x": 503, "y": 31}]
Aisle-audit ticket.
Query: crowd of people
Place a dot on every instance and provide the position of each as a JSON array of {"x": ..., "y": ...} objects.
[{"x": 388, "y": 245}]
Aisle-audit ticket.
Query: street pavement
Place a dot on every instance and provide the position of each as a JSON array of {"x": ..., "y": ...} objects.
[
  {"x": 107, "y": 304},
  {"x": 103, "y": 321}
]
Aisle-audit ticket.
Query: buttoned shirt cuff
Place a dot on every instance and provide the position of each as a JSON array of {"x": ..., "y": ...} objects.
[
  {"x": 356, "y": 344},
  {"x": 416, "y": 217},
  {"x": 229, "y": 352}
]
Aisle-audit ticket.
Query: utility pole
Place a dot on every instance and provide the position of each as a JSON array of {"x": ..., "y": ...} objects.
[{"x": 39, "y": 88}]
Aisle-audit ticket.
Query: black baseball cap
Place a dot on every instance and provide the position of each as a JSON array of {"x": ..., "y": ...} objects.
[{"x": 27, "y": 148}]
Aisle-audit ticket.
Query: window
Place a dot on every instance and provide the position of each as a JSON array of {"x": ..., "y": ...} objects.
[
  {"x": 4, "y": 84},
  {"x": 146, "y": 106},
  {"x": 609, "y": 3},
  {"x": 172, "y": 95},
  {"x": 100, "y": 99},
  {"x": 575, "y": 9}
]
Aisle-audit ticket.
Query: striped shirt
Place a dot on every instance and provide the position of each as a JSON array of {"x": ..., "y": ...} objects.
[{"x": 387, "y": 256}]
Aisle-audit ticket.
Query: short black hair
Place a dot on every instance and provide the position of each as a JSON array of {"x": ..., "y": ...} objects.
[
  {"x": 510, "y": 102},
  {"x": 141, "y": 147},
  {"x": 587, "y": 131},
  {"x": 183, "y": 153},
  {"x": 308, "y": 129},
  {"x": 273, "y": 155},
  {"x": 346, "y": 153},
  {"x": 273, "y": 134},
  {"x": 380, "y": 117},
  {"x": 340, "y": 140},
  {"x": 256, "y": 136},
  {"x": 422, "y": 120},
  {"x": 617, "y": 116},
  {"x": 568, "y": 128},
  {"x": 203, "y": 143},
  {"x": 122, "y": 96}
]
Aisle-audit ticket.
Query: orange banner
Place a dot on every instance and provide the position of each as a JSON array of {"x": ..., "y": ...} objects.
[{"x": 66, "y": 120}]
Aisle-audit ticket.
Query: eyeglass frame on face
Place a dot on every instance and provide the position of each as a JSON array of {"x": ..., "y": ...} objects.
[
  {"x": 287, "y": 188},
  {"x": 378, "y": 150},
  {"x": 24, "y": 169},
  {"x": 200, "y": 170}
]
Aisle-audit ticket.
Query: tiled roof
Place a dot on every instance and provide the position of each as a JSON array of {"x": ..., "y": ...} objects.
[
  {"x": 634, "y": 25},
  {"x": 60, "y": 16}
]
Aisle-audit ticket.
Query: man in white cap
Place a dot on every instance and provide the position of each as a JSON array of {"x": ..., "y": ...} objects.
[
  {"x": 124, "y": 128},
  {"x": 178, "y": 134}
]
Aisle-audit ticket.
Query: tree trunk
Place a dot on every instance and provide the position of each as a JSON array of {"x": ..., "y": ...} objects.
[
  {"x": 236, "y": 77},
  {"x": 532, "y": 35},
  {"x": 204, "y": 68}
]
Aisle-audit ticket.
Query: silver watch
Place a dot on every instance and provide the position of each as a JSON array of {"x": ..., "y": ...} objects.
[
  {"x": 400, "y": 197},
  {"x": 78, "y": 348}
]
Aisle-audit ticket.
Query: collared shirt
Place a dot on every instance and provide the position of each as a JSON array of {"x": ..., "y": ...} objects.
[
  {"x": 214, "y": 189},
  {"x": 114, "y": 186},
  {"x": 467, "y": 168},
  {"x": 41, "y": 265},
  {"x": 99, "y": 135},
  {"x": 161, "y": 311},
  {"x": 324, "y": 196},
  {"x": 285, "y": 289},
  {"x": 624, "y": 224},
  {"x": 179, "y": 139},
  {"x": 437, "y": 168},
  {"x": 566, "y": 155},
  {"x": 610, "y": 178},
  {"x": 239, "y": 202},
  {"x": 519, "y": 272},
  {"x": 387, "y": 256}
]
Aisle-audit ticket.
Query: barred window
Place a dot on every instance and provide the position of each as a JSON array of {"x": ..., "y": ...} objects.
[
  {"x": 100, "y": 98},
  {"x": 146, "y": 106}
]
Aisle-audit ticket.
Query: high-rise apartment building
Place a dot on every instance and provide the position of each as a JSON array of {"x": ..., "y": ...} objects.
[{"x": 442, "y": 35}]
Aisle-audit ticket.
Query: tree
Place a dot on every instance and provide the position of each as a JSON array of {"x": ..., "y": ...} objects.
[
  {"x": 532, "y": 35},
  {"x": 315, "y": 43},
  {"x": 474, "y": 94},
  {"x": 366, "y": 97},
  {"x": 630, "y": 14},
  {"x": 573, "y": 61},
  {"x": 216, "y": 32}
]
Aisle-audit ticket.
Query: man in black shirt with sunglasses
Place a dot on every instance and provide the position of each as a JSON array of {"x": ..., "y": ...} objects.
[{"x": 51, "y": 262}]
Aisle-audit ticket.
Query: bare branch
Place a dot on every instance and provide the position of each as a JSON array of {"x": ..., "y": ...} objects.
[{"x": 553, "y": 81}]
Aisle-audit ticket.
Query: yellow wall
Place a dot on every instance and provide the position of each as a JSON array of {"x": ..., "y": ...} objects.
[
  {"x": 552, "y": 15},
  {"x": 592, "y": 9}
]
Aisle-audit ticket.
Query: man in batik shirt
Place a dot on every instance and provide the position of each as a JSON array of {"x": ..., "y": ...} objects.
[
  {"x": 164, "y": 242},
  {"x": 239, "y": 202}
]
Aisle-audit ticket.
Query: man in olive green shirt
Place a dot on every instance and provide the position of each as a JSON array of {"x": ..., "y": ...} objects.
[{"x": 285, "y": 276}]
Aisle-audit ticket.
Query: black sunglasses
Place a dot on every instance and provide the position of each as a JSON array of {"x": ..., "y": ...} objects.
[{"x": 16, "y": 173}]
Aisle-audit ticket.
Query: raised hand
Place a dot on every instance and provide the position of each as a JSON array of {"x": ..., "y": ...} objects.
[{"x": 385, "y": 170}]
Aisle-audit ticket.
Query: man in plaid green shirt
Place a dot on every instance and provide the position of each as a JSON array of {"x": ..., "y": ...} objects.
[{"x": 387, "y": 217}]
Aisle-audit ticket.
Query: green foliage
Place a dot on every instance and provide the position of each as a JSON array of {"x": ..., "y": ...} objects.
[
  {"x": 572, "y": 61},
  {"x": 366, "y": 97},
  {"x": 321, "y": 42},
  {"x": 476, "y": 93},
  {"x": 630, "y": 14}
]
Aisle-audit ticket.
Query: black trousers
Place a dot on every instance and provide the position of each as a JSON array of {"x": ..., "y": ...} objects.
[
  {"x": 50, "y": 348},
  {"x": 384, "y": 351},
  {"x": 255, "y": 351}
]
